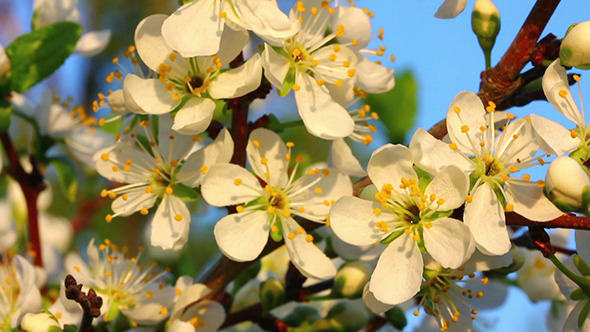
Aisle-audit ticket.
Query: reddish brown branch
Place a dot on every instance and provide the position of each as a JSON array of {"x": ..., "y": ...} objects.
[
  {"x": 31, "y": 184},
  {"x": 565, "y": 221}
]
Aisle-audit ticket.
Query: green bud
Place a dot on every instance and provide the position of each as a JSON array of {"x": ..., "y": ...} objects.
[
  {"x": 301, "y": 315},
  {"x": 578, "y": 295},
  {"x": 351, "y": 280},
  {"x": 396, "y": 317},
  {"x": 581, "y": 265},
  {"x": 485, "y": 23},
  {"x": 575, "y": 46},
  {"x": 345, "y": 316},
  {"x": 565, "y": 183},
  {"x": 272, "y": 294}
]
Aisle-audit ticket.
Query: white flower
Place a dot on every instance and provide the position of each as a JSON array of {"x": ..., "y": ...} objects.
[
  {"x": 450, "y": 8},
  {"x": 19, "y": 294},
  {"x": 190, "y": 85},
  {"x": 4, "y": 62},
  {"x": 51, "y": 11},
  {"x": 405, "y": 217},
  {"x": 195, "y": 28},
  {"x": 574, "y": 51},
  {"x": 156, "y": 172},
  {"x": 122, "y": 283},
  {"x": 566, "y": 181},
  {"x": 189, "y": 315},
  {"x": 322, "y": 73},
  {"x": 270, "y": 208},
  {"x": 40, "y": 322},
  {"x": 553, "y": 137},
  {"x": 491, "y": 159}
]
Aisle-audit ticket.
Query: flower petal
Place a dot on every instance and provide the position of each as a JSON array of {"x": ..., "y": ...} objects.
[
  {"x": 267, "y": 155},
  {"x": 189, "y": 295},
  {"x": 195, "y": 28},
  {"x": 449, "y": 242},
  {"x": 151, "y": 46},
  {"x": 583, "y": 244},
  {"x": 219, "y": 186},
  {"x": 450, "y": 8},
  {"x": 485, "y": 218},
  {"x": 266, "y": 19},
  {"x": 322, "y": 116},
  {"x": 242, "y": 236},
  {"x": 194, "y": 116},
  {"x": 275, "y": 66},
  {"x": 452, "y": 185},
  {"x": 343, "y": 159},
  {"x": 398, "y": 274},
  {"x": 517, "y": 143},
  {"x": 433, "y": 155},
  {"x": 552, "y": 137},
  {"x": 148, "y": 93},
  {"x": 113, "y": 168},
  {"x": 554, "y": 81},
  {"x": 357, "y": 23},
  {"x": 372, "y": 303},
  {"x": 211, "y": 314},
  {"x": 373, "y": 77},
  {"x": 134, "y": 201},
  {"x": 352, "y": 220},
  {"x": 332, "y": 185},
  {"x": 170, "y": 224},
  {"x": 93, "y": 42},
  {"x": 238, "y": 81},
  {"x": 471, "y": 114},
  {"x": 389, "y": 164},
  {"x": 530, "y": 201}
]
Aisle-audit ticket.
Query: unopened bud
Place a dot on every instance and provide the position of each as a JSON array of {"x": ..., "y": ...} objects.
[
  {"x": 117, "y": 102},
  {"x": 396, "y": 317},
  {"x": 4, "y": 62},
  {"x": 272, "y": 294},
  {"x": 485, "y": 23},
  {"x": 345, "y": 316},
  {"x": 38, "y": 322},
  {"x": 566, "y": 183},
  {"x": 575, "y": 46},
  {"x": 351, "y": 279}
]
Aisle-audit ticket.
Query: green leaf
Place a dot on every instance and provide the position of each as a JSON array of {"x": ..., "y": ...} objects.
[
  {"x": 438, "y": 215},
  {"x": 396, "y": 317},
  {"x": 392, "y": 237},
  {"x": 185, "y": 192},
  {"x": 66, "y": 175},
  {"x": 5, "y": 114},
  {"x": 397, "y": 108},
  {"x": 36, "y": 55}
]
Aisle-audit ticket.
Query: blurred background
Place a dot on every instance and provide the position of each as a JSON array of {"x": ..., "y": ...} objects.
[{"x": 435, "y": 59}]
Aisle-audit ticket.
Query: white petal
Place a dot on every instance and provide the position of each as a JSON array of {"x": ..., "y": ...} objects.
[
  {"x": 56, "y": 121},
  {"x": 555, "y": 80},
  {"x": 194, "y": 29},
  {"x": 189, "y": 295},
  {"x": 553, "y": 137},
  {"x": 272, "y": 149},
  {"x": 472, "y": 114},
  {"x": 118, "y": 154},
  {"x": 583, "y": 244},
  {"x": 357, "y": 24},
  {"x": 530, "y": 202},
  {"x": 148, "y": 93},
  {"x": 93, "y": 42},
  {"x": 266, "y": 19},
  {"x": 389, "y": 164},
  {"x": 239, "y": 81},
  {"x": 571, "y": 322},
  {"x": 308, "y": 258},
  {"x": 485, "y": 218},
  {"x": 352, "y": 220},
  {"x": 433, "y": 155},
  {"x": 150, "y": 44},
  {"x": 398, "y": 274},
  {"x": 566, "y": 285},
  {"x": 137, "y": 199},
  {"x": 169, "y": 233},
  {"x": 322, "y": 116},
  {"x": 372, "y": 303},
  {"x": 231, "y": 44},
  {"x": 343, "y": 159},
  {"x": 450, "y": 8},
  {"x": 172, "y": 145},
  {"x": 452, "y": 185},
  {"x": 275, "y": 66},
  {"x": 220, "y": 151},
  {"x": 211, "y": 314},
  {"x": 524, "y": 147},
  {"x": 145, "y": 314},
  {"x": 373, "y": 77},
  {"x": 194, "y": 116},
  {"x": 242, "y": 236},
  {"x": 219, "y": 188},
  {"x": 449, "y": 242}
]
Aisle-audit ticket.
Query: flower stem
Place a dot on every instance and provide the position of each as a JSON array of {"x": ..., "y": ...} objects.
[{"x": 580, "y": 281}]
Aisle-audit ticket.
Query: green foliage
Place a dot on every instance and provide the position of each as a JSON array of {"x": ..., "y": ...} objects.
[
  {"x": 36, "y": 55},
  {"x": 5, "y": 113},
  {"x": 397, "y": 108},
  {"x": 66, "y": 175},
  {"x": 396, "y": 317},
  {"x": 185, "y": 192}
]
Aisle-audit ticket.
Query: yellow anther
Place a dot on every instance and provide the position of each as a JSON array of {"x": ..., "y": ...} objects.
[
  {"x": 339, "y": 83},
  {"x": 457, "y": 109},
  {"x": 377, "y": 211},
  {"x": 314, "y": 11},
  {"x": 149, "y": 295},
  {"x": 287, "y": 213},
  {"x": 112, "y": 195},
  {"x": 310, "y": 172},
  {"x": 408, "y": 231},
  {"x": 505, "y": 177},
  {"x": 256, "y": 143},
  {"x": 326, "y": 171},
  {"x": 577, "y": 78},
  {"x": 479, "y": 294},
  {"x": 238, "y": 182},
  {"x": 482, "y": 128},
  {"x": 318, "y": 190},
  {"x": 562, "y": 93},
  {"x": 321, "y": 81},
  {"x": 509, "y": 208},
  {"x": 178, "y": 217},
  {"x": 432, "y": 197},
  {"x": 299, "y": 230},
  {"x": 453, "y": 146},
  {"x": 290, "y": 144},
  {"x": 274, "y": 228},
  {"x": 464, "y": 128},
  {"x": 309, "y": 238},
  {"x": 296, "y": 87},
  {"x": 513, "y": 169},
  {"x": 268, "y": 188},
  {"x": 204, "y": 169},
  {"x": 264, "y": 161},
  {"x": 469, "y": 199},
  {"x": 440, "y": 201},
  {"x": 148, "y": 189},
  {"x": 144, "y": 211},
  {"x": 240, "y": 208},
  {"x": 223, "y": 14},
  {"x": 271, "y": 209},
  {"x": 333, "y": 57},
  {"x": 169, "y": 191},
  {"x": 416, "y": 237},
  {"x": 301, "y": 209},
  {"x": 351, "y": 72},
  {"x": 124, "y": 197},
  {"x": 104, "y": 193},
  {"x": 291, "y": 236},
  {"x": 416, "y": 312},
  {"x": 299, "y": 159},
  {"x": 573, "y": 133},
  {"x": 108, "y": 218},
  {"x": 428, "y": 225},
  {"x": 346, "y": 63},
  {"x": 115, "y": 168},
  {"x": 315, "y": 63}
]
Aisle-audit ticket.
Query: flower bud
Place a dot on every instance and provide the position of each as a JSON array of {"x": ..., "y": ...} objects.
[
  {"x": 350, "y": 280},
  {"x": 345, "y": 316},
  {"x": 38, "y": 322},
  {"x": 565, "y": 184},
  {"x": 575, "y": 46},
  {"x": 485, "y": 23},
  {"x": 272, "y": 294},
  {"x": 4, "y": 62}
]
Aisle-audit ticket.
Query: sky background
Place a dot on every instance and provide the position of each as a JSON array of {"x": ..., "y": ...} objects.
[{"x": 443, "y": 55}]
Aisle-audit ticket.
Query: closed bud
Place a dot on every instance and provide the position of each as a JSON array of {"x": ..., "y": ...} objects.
[
  {"x": 272, "y": 294},
  {"x": 485, "y": 23},
  {"x": 565, "y": 184},
  {"x": 351, "y": 279},
  {"x": 575, "y": 46},
  {"x": 4, "y": 62},
  {"x": 38, "y": 322}
]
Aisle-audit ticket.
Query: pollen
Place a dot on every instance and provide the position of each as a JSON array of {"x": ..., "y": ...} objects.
[
  {"x": 464, "y": 128},
  {"x": 296, "y": 87},
  {"x": 178, "y": 217},
  {"x": 318, "y": 190},
  {"x": 169, "y": 191},
  {"x": 309, "y": 238},
  {"x": 204, "y": 169},
  {"x": 339, "y": 83},
  {"x": 144, "y": 211},
  {"x": 453, "y": 146},
  {"x": 256, "y": 143},
  {"x": 223, "y": 14},
  {"x": 264, "y": 161},
  {"x": 238, "y": 182},
  {"x": 562, "y": 93}
]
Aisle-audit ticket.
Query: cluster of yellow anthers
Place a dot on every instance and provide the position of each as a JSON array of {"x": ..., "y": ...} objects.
[
  {"x": 117, "y": 77},
  {"x": 122, "y": 279},
  {"x": 361, "y": 117},
  {"x": 9, "y": 286},
  {"x": 78, "y": 113},
  {"x": 185, "y": 77},
  {"x": 442, "y": 291}
]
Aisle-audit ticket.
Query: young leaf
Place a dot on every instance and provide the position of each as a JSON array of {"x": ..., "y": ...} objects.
[
  {"x": 67, "y": 177},
  {"x": 36, "y": 55}
]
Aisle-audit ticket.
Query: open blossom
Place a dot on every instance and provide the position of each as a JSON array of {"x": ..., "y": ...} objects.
[
  {"x": 188, "y": 86},
  {"x": 195, "y": 28},
  {"x": 192, "y": 314},
  {"x": 270, "y": 207},
  {"x": 406, "y": 218},
  {"x": 162, "y": 173},
  {"x": 137, "y": 292},
  {"x": 51, "y": 11},
  {"x": 318, "y": 68},
  {"x": 492, "y": 160},
  {"x": 19, "y": 294},
  {"x": 553, "y": 137}
]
